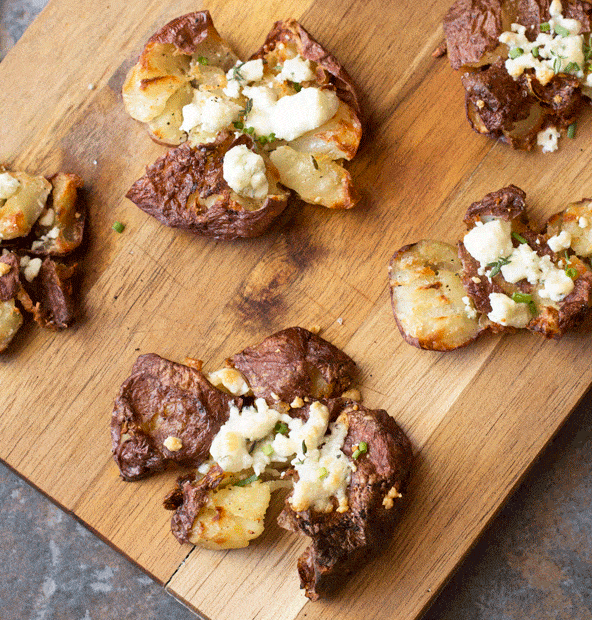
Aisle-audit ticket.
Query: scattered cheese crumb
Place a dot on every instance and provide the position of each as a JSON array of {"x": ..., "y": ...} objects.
[
  {"x": 173, "y": 444},
  {"x": 387, "y": 502},
  {"x": 8, "y": 185},
  {"x": 297, "y": 403},
  {"x": 315, "y": 329},
  {"x": 548, "y": 139},
  {"x": 583, "y": 222},
  {"x": 476, "y": 280},
  {"x": 559, "y": 242},
  {"x": 31, "y": 270},
  {"x": 47, "y": 218},
  {"x": 91, "y": 87},
  {"x": 340, "y": 320},
  {"x": 4, "y": 269}
]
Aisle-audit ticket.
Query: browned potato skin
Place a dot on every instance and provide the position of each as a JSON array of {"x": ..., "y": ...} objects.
[
  {"x": 10, "y": 283},
  {"x": 196, "y": 412},
  {"x": 509, "y": 204},
  {"x": 494, "y": 101},
  {"x": 341, "y": 542},
  {"x": 295, "y": 363},
  {"x": 169, "y": 190}
]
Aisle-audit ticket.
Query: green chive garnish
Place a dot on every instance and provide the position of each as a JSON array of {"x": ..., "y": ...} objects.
[
  {"x": 571, "y": 131},
  {"x": 361, "y": 449},
  {"x": 545, "y": 27},
  {"x": 267, "y": 450},
  {"x": 497, "y": 266},
  {"x": 572, "y": 66},
  {"x": 521, "y": 298},
  {"x": 281, "y": 428},
  {"x": 250, "y": 130},
  {"x": 515, "y": 52},
  {"x": 238, "y": 125},
  {"x": 562, "y": 31},
  {"x": 518, "y": 237},
  {"x": 323, "y": 473},
  {"x": 572, "y": 273},
  {"x": 535, "y": 52},
  {"x": 202, "y": 60},
  {"x": 245, "y": 481},
  {"x": 557, "y": 65},
  {"x": 118, "y": 227}
]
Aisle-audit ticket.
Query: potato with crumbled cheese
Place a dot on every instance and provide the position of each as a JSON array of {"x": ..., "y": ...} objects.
[{"x": 25, "y": 204}]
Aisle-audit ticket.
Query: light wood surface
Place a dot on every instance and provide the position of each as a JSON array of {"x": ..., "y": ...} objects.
[{"x": 477, "y": 417}]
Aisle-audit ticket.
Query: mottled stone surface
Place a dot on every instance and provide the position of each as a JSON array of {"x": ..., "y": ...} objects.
[{"x": 534, "y": 562}]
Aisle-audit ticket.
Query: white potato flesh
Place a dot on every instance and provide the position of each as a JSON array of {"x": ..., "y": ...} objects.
[
  {"x": 21, "y": 210},
  {"x": 317, "y": 181},
  {"x": 577, "y": 221},
  {"x": 165, "y": 127},
  {"x": 338, "y": 138},
  {"x": 427, "y": 296},
  {"x": 10, "y": 321},
  {"x": 232, "y": 517},
  {"x": 153, "y": 80}
]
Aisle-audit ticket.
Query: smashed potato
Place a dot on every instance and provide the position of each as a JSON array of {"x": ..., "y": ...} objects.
[
  {"x": 268, "y": 420},
  {"x": 291, "y": 101},
  {"x": 512, "y": 276},
  {"x": 524, "y": 66}
]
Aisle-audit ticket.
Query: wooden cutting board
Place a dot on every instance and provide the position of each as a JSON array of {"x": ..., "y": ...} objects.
[{"x": 477, "y": 417}]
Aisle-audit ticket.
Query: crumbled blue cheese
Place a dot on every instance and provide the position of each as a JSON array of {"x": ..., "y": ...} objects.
[
  {"x": 249, "y": 439},
  {"x": 291, "y": 116},
  {"x": 241, "y": 75},
  {"x": 469, "y": 308},
  {"x": 548, "y": 139},
  {"x": 505, "y": 311},
  {"x": 245, "y": 172},
  {"x": 489, "y": 242},
  {"x": 47, "y": 218},
  {"x": 559, "y": 242},
  {"x": 229, "y": 447},
  {"x": 8, "y": 186},
  {"x": 173, "y": 444},
  {"x": 209, "y": 113},
  {"x": 296, "y": 69},
  {"x": 583, "y": 222},
  {"x": 324, "y": 473},
  {"x": 555, "y": 53}
]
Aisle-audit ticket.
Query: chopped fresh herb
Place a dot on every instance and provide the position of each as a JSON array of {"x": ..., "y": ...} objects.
[
  {"x": 250, "y": 130},
  {"x": 323, "y": 473},
  {"x": 587, "y": 49},
  {"x": 361, "y": 449},
  {"x": 521, "y": 298},
  {"x": 496, "y": 267},
  {"x": 236, "y": 74},
  {"x": 314, "y": 162},
  {"x": 562, "y": 31},
  {"x": 515, "y": 52},
  {"x": 248, "y": 107},
  {"x": 557, "y": 65},
  {"x": 281, "y": 428},
  {"x": 296, "y": 86},
  {"x": 263, "y": 140},
  {"x": 545, "y": 27},
  {"x": 535, "y": 52},
  {"x": 245, "y": 481},
  {"x": 571, "y": 131},
  {"x": 118, "y": 227},
  {"x": 572, "y": 66},
  {"x": 267, "y": 450},
  {"x": 571, "y": 272},
  {"x": 304, "y": 448},
  {"x": 238, "y": 125},
  {"x": 202, "y": 60},
  {"x": 518, "y": 237}
]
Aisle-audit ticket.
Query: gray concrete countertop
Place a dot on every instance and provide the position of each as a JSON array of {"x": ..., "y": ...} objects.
[{"x": 533, "y": 563}]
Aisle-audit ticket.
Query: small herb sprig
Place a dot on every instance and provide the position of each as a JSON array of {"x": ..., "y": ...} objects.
[
  {"x": 525, "y": 298},
  {"x": 497, "y": 266}
]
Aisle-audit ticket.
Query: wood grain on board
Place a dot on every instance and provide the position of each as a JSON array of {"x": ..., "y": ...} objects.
[{"x": 477, "y": 417}]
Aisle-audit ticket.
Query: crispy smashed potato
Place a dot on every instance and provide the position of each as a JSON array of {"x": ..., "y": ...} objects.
[
  {"x": 428, "y": 298},
  {"x": 512, "y": 276},
  {"x": 291, "y": 99},
  {"x": 39, "y": 218},
  {"x": 522, "y": 87},
  {"x": 264, "y": 426}
]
